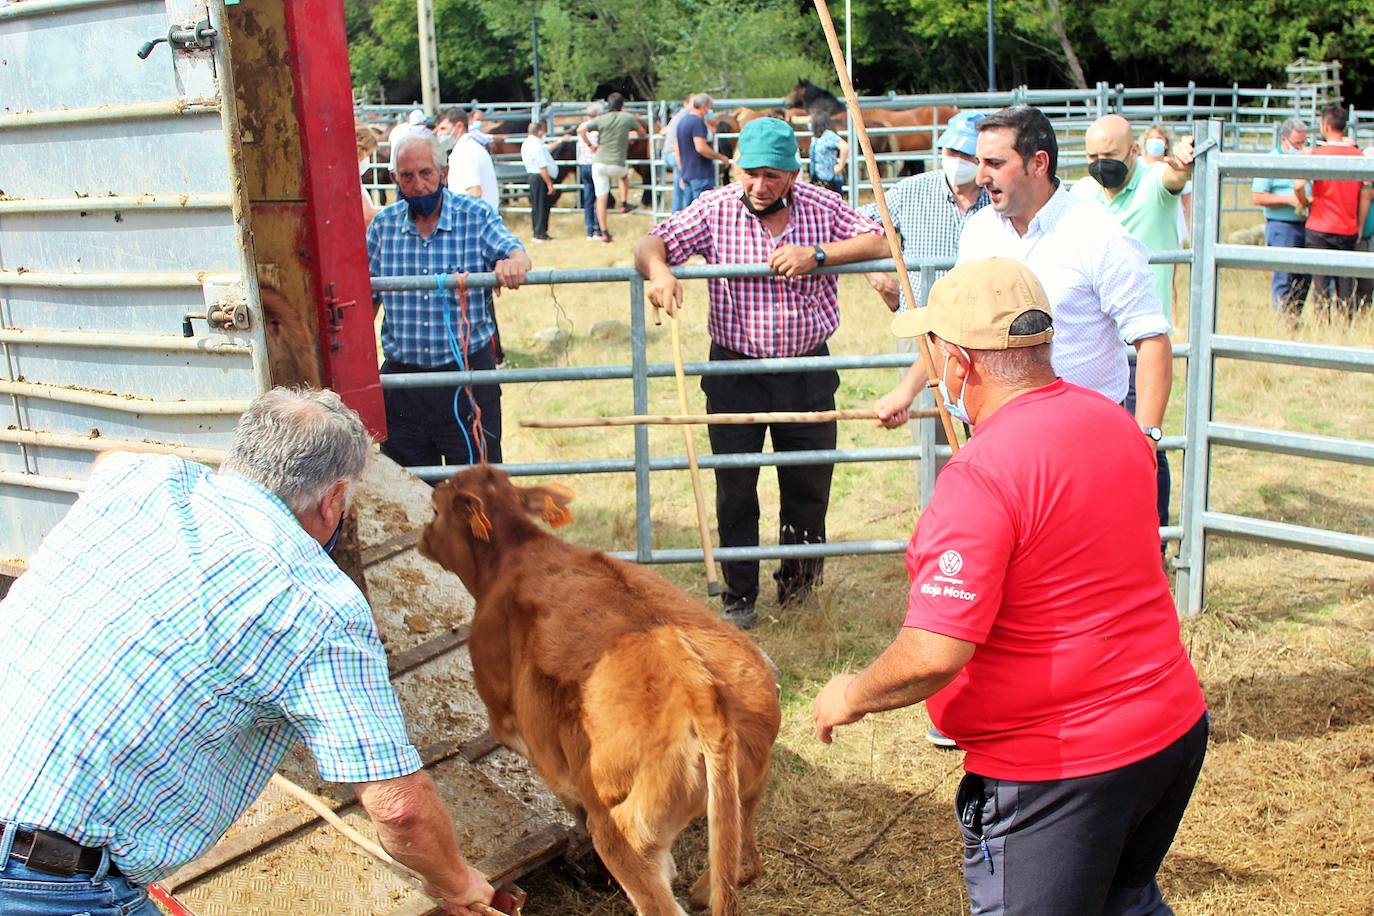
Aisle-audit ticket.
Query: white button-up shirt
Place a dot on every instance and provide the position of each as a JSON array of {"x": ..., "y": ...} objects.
[
  {"x": 535, "y": 155},
  {"x": 1097, "y": 278}
]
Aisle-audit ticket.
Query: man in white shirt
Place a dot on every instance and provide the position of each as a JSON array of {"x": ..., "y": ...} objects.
[
  {"x": 540, "y": 170},
  {"x": 1097, "y": 277},
  {"x": 470, "y": 169},
  {"x": 585, "y": 158}
]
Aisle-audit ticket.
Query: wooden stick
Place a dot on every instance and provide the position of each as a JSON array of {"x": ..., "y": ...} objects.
[
  {"x": 820, "y": 869},
  {"x": 721, "y": 419},
  {"x": 712, "y": 583},
  {"x": 896, "y": 815},
  {"x": 875, "y": 176}
]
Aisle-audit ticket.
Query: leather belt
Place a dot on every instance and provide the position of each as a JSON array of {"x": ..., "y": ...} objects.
[{"x": 55, "y": 854}]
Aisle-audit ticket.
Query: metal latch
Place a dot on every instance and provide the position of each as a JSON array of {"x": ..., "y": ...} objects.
[
  {"x": 335, "y": 309},
  {"x": 222, "y": 316},
  {"x": 193, "y": 36}
]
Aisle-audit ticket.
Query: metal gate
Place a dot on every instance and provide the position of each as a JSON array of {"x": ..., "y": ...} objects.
[{"x": 129, "y": 307}]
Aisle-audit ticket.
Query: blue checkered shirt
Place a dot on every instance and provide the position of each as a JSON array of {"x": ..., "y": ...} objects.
[
  {"x": 928, "y": 219},
  {"x": 470, "y": 238},
  {"x": 173, "y": 637}
]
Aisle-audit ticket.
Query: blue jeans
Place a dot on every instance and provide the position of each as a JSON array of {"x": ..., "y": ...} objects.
[
  {"x": 1287, "y": 291},
  {"x": 28, "y": 892},
  {"x": 695, "y": 187},
  {"x": 584, "y": 175}
]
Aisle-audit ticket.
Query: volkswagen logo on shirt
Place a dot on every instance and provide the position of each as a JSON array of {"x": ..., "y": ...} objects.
[{"x": 951, "y": 562}]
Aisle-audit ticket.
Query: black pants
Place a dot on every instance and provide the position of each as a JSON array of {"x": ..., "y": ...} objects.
[
  {"x": 1328, "y": 291},
  {"x": 540, "y": 203},
  {"x": 804, "y": 490},
  {"x": 420, "y": 422},
  {"x": 1089, "y": 846}
]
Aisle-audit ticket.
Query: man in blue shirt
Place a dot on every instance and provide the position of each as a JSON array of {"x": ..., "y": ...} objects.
[
  {"x": 694, "y": 154},
  {"x": 174, "y": 636},
  {"x": 432, "y": 231},
  {"x": 1283, "y": 220}
]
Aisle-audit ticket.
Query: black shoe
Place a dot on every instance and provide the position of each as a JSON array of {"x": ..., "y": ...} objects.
[{"x": 740, "y": 612}]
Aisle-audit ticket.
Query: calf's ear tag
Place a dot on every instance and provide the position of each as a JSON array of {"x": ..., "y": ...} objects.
[
  {"x": 557, "y": 516},
  {"x": 481, "y": 525}
]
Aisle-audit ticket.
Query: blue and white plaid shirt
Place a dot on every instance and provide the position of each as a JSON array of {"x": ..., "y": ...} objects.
[
  {"x": 174, "y": 636},
  {"x": 470, "y": 238},
  {"x": 927, "y": 217}
]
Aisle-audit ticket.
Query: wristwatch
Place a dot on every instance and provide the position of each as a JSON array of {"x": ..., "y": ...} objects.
[
  {"x": 1154, "y": 432},
  {"x": 819, "y": 252}
]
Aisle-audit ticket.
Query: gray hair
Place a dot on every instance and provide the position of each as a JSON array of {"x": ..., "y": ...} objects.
[
  {"x": 416, "y": 138},
  {"x": 596, "y": 108},
  {"x": 1020, "y": 367},
  {"x": 1292, "y": 124},
  {"x": 702, "y": 100},
  {"x": 298, "y": 442}
]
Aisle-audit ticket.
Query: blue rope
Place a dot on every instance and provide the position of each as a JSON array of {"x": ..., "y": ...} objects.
[{"x": 460, "y": 358}]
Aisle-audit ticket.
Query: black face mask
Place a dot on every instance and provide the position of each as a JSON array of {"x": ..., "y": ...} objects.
[
  {"x": 1110, "y": 173},
  {"x": 425, "y": 205},
  {"x": 774, "y": 207}
]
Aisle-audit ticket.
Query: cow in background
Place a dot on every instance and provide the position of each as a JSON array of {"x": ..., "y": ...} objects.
[{"x": 639, "y": 707}]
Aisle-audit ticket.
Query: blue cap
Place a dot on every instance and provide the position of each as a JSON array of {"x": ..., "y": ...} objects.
[
  {"x": 768, "y": 143},
  {"x": 961, "y": 133}
]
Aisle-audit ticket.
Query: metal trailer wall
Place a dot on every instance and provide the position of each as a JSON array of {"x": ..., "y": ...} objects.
[{"x": 128, "y": 301}]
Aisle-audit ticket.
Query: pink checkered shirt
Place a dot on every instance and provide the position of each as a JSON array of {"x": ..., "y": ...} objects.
[{"x": 765, "y": 316}]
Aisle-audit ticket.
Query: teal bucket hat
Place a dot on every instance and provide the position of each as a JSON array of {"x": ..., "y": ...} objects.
[{"x": 768, "y": 143}]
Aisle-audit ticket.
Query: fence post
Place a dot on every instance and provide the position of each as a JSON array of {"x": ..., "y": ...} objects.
[
  {"x": 654, "y": 201},
  {"x": 639, "y": 367},
  {"x": 1191, "y": 563},
  {"x": 930, "y": 461}
]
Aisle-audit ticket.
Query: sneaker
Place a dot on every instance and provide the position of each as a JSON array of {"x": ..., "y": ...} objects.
[
  {"x": 627, "y": 208},
  {"x": 739, "y": 612},
  {"x": 606, "y": 237},
  {"x": 939, "y": 738},
  {"x": 594, "y": 235}
]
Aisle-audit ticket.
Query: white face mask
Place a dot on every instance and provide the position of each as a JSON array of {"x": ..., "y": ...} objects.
[{"x": 959, "y": 172}]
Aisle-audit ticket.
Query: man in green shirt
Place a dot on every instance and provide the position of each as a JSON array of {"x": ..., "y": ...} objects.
[
  {"x": 1283, "y": 220},
  {"x": 1143, "y": 198},
  {"x": 609, "y": 154}
]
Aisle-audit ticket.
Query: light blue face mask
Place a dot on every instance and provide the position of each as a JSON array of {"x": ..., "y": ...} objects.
[
  {"x": 1154, "y": 147},
  {"x": 956, "y": 410}
]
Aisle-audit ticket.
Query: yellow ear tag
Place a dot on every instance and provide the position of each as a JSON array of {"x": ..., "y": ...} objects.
[
  {"x": 557, "y": 516},
  {"x": 481, "y": 525}
]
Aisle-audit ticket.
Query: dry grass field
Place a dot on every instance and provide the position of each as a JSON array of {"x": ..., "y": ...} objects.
[{"x": 1280, "y": 821}]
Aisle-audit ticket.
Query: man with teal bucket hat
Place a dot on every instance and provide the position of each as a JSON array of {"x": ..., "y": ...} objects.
[{"x": 767, "y": 217}]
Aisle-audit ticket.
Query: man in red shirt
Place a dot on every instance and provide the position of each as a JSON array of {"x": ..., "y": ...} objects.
[
  {"x": 766, "y": 218},
  {"x": 1333, "y": 220},
  {"x": 1040, "y": 630}
]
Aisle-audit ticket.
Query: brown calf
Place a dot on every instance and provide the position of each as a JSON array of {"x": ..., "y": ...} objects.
[{"x": 638, "y": 707}]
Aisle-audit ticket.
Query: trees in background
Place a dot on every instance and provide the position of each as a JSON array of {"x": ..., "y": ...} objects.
[{"x": 667, "y": 48}]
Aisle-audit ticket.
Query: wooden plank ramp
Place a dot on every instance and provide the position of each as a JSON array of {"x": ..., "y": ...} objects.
[{"x": 280, "y": 857}]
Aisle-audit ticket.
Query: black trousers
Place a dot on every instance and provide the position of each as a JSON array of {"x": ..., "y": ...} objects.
[
  {"x": 804, "y": 490},
  {"x": 1089, "y": 846},
  {"x": 420, "y": 422},
  {"x": 1330, "y": 291},
  {"x": 540, "y": 204}
]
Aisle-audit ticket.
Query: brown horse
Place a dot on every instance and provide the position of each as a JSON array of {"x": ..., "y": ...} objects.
[{"x": 922, "y": 120}]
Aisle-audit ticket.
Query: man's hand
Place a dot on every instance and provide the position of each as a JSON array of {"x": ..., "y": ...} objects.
[
  {"x": 475, "y": 889},
  {"x": 665, "y": 292},
  {"x": 548, "y": 183},
  {"x": 888, "y": 287},
  {"x": 831, "y": 708},
  {"x": 1181, "y": 159},
  {"x": 793, "y": 260},
  {"x": 894, "y": 408},
  {"x": 510, "y": 272}
]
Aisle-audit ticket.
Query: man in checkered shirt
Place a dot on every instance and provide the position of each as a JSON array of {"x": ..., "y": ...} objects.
[
  {"x": 174, "y": 636},
  {"x": 432, "y": 231},
  {"x": 766, "y": 218}
]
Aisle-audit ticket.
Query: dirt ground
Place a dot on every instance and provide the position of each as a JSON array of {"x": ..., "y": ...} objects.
[{"x": 1279, "y": 823}]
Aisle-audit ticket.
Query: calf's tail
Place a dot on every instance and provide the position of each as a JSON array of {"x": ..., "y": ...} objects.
[{"x": 710, "y": 716}]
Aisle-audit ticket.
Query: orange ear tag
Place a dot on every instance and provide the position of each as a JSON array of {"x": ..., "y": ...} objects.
[
  {"x": 557, "y": 516},
  {"x": 481, "y": 525}
]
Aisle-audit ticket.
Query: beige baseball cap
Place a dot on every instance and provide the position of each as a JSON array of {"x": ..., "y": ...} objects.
[{"x": 975, "y": 304}]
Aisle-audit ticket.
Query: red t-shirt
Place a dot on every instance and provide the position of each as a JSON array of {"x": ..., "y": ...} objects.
[
  {"x": 1041, "y": 546},
  {"x": 1335, "y": 204}
]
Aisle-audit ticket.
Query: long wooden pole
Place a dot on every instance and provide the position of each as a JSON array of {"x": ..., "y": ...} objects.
[
  {"x": 715, "y": 419},
  {"x": 856, "y": 122},
  {"x": 708, "y": 556}
]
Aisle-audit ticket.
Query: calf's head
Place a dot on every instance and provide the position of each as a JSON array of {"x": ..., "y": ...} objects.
[{"x": 479, "y": 515}]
